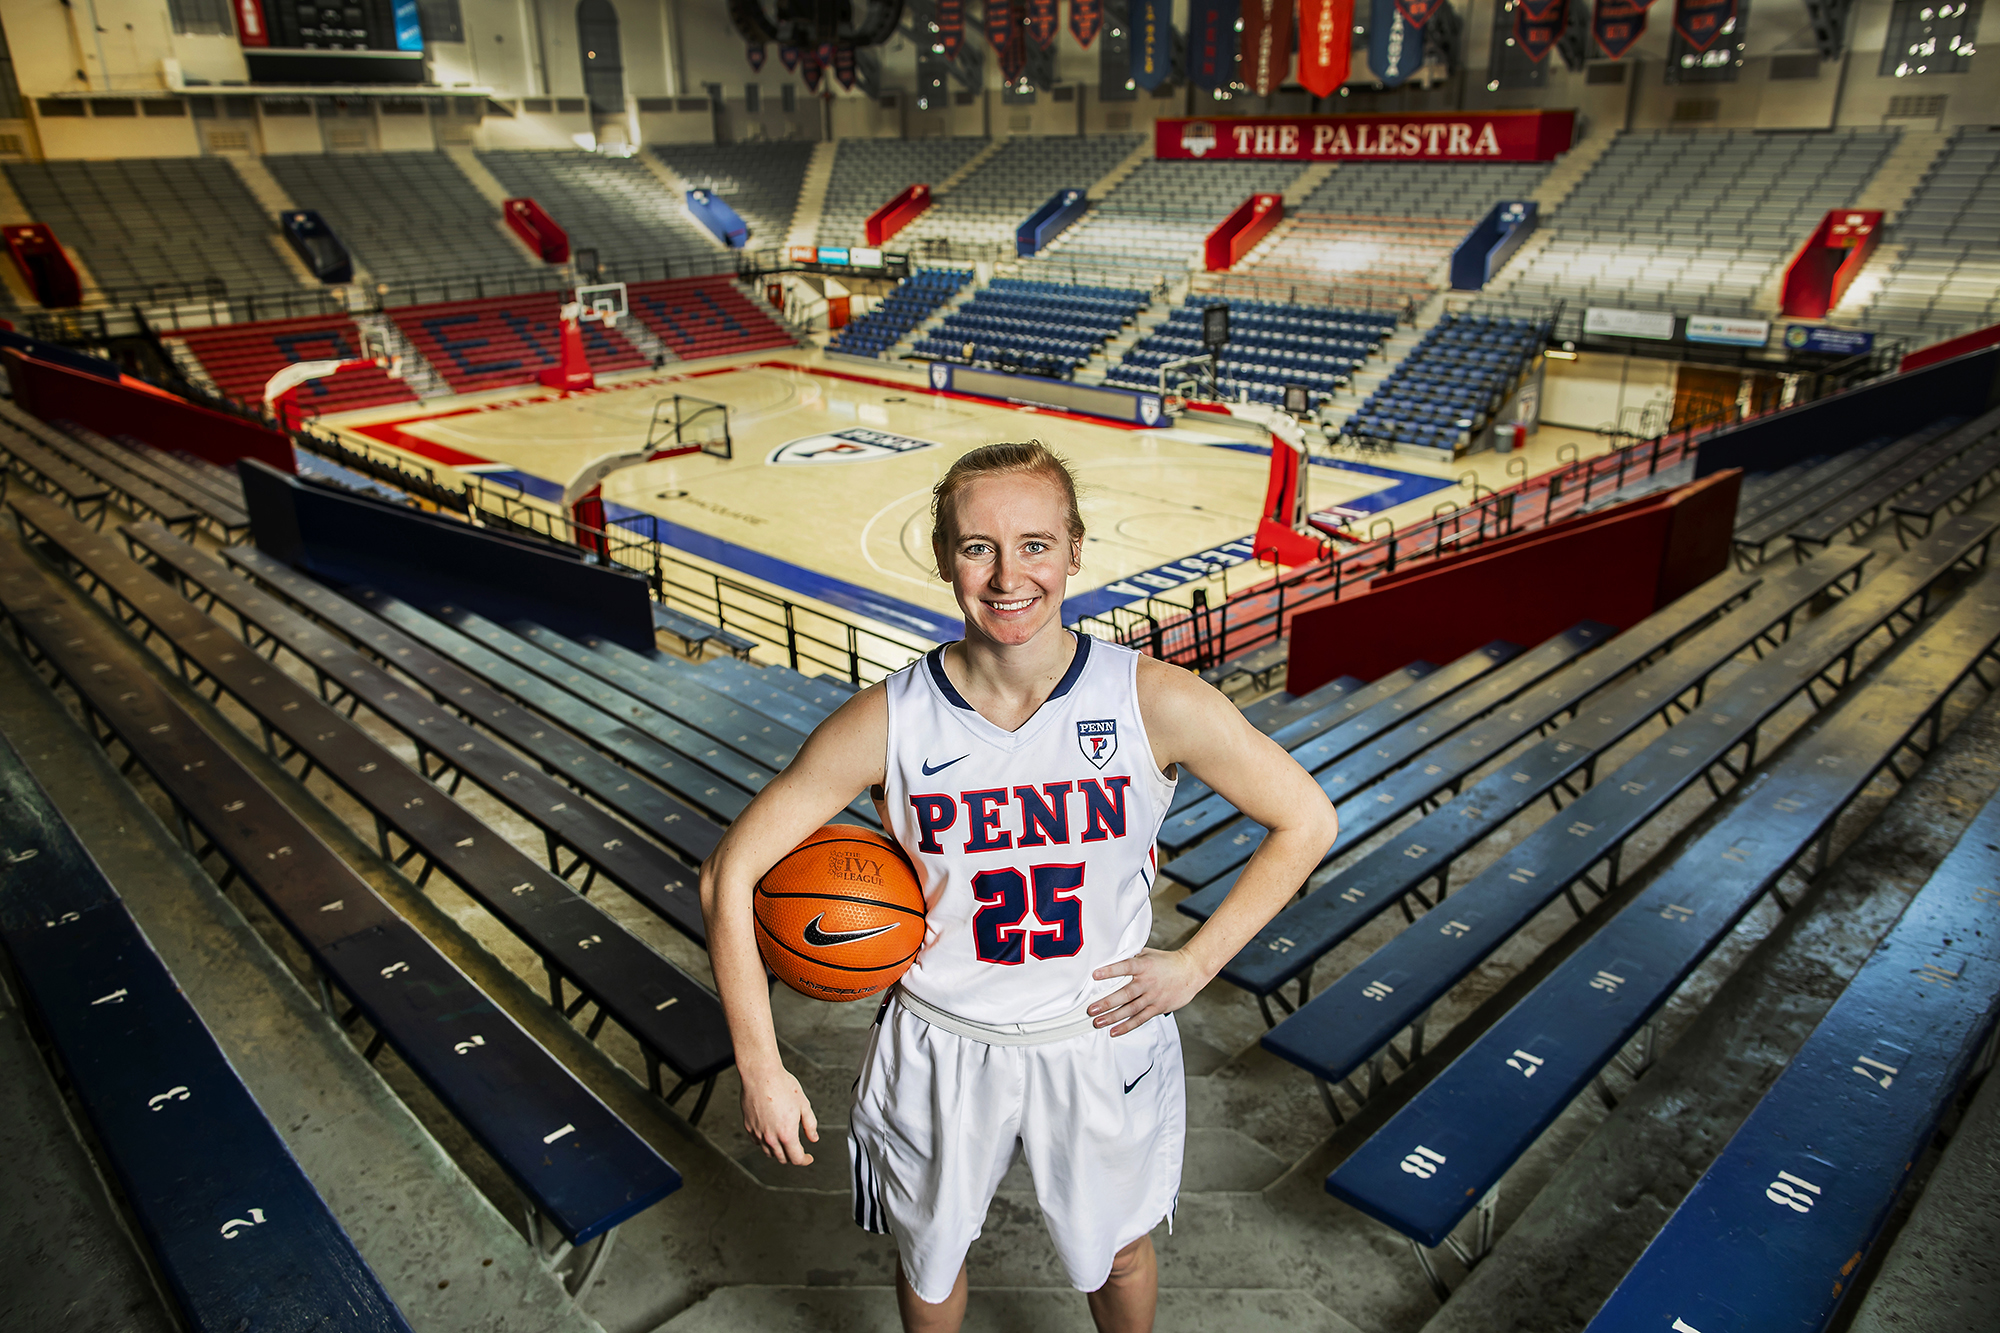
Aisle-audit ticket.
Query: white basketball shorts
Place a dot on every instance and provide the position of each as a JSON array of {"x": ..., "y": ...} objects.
[{"x": 1102, "y": 1121}]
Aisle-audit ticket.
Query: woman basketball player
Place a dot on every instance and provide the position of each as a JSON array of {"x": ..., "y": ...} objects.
[{"x": 1025, "y": 771}]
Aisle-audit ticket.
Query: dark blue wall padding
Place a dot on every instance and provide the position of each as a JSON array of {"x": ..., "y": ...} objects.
[
  {"x": 349, "y": 539},
  {"x": 1965, "y": 386}
]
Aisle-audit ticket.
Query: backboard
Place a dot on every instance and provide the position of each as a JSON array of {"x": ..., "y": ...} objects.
[
  {"x": 604, "y": 302},
  {"x": 687, "y": 424}
]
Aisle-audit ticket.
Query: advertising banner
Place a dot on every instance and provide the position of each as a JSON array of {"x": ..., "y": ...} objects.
[
  {"x": 1700, "y": 22},
  {"x": 1728, "y": 332},
  {"x": 1085, "y": 18},
  {"x": 1395, "y": 49},
  {"x": 1838, "y": 342},
  {"x": 1267, "y": 44},
  {"x": 1628, "y": 324},
  {"x": 1326, "y": 39},
  {"x": 1212, "y": 43},
  {"x": 1152, "y": 42},
  {"x": 1432, "y": 136},
  {"x": 1618, "y": 25}
]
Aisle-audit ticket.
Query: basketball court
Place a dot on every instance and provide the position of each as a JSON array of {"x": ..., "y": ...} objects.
[{"x": 825, "y": 494}]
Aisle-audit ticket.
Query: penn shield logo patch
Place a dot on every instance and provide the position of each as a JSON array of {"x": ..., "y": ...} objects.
[
  {"x": 1098, "y": 740},
  {"x": 940, "y": 376}
]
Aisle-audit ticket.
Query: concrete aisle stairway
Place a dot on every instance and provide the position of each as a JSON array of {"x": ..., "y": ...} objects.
[
  {"x": 274, "y": 199},
  {"x": 1115, "y": 177},
  {"x": 972, "y": 164},
  {"x": 1890, "y": 191},
  {"x": 812, "y": 196},
  {"x": 491, "y": 190}
]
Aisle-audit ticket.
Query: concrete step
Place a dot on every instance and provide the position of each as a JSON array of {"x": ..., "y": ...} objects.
[
  {"x": 971, "y": 164},
  {"x": 812, "y": 196},
  {"x": 1115, "y": 177},
  {"x": 422, "y": 377},
  {"x": 994, "y": 1309}
]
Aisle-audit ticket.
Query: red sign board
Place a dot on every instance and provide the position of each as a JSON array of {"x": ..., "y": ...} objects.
[
  {"x": 250, "y": 29},
  {"x": 1445, "y": 136}
]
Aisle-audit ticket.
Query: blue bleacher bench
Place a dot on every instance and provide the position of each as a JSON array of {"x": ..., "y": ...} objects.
[
  {"x": 240, "y": 1234},
  {"x": 1773, "y": 1232}
]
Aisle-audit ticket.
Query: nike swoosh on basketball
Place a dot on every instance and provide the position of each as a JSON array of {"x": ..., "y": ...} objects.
[
  {"x": 930, "y": 772},
  {"x": 1135, "y": 1082},
  {"x": 821, "y": 939}
]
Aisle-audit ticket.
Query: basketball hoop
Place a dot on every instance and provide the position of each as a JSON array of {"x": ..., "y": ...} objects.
[
  {"x": 603, "y": 304},
  {"x": 1174, "y": 404}
]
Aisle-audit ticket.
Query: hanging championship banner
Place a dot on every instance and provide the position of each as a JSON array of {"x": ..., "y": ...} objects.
[
  {"x": 1085, "y": 18},
  {"x": 1326, "y": 39},
  {"x": 1395, "y": 49},
  {"x": 788, "y": 56},
  {"x": 1618, "y": 25},
  {"x": 1700, "y": 22},
  {"x": 755, "y": 54},
  {"x": 1417, "y": 13},
  {"x": 950, "y": 18},
  {"x": 809, "y": 70},
  {"x": 1041, "y": 22},
  {"x": 1538, "y": 24},
  {"x": 1152, "y": 42},
  {"x": 1003, "y": 34},
  {"x": 843, "y": 66},
  {"x": 1267, "y": 44},
  {"x": 1212, "y": 43}
]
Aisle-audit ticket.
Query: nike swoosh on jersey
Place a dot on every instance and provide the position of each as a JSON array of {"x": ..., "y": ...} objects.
[
  {"x": 932, "y": 772},
  {"x": 1135, "y": 1082},
  {"x": 821, "y": 939}
]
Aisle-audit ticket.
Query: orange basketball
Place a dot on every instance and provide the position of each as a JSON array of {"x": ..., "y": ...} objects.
[{"x": 841, "y": 916}]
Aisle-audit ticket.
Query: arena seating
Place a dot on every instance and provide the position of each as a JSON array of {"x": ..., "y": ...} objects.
[
  {"x": 154, "y": 224},
  {"x": 1041, "y": 328},
  {"x": 761, "y": 181},
  {"x": 1270, "y": 345},
  {"x": 698, "y": 317},
  {"x": 145, "y": 471},
  {"x": 404, "y": 216},
  {"x": 1925, "y": 999},
  {"x": 1151, "y": 228},
  {"x": 53, "y": 454},
  {"x": 909, "y": 305},
  {"x": 1470, "y": 1123},
  {"x": 613, "y": 205},
  {"x": 868, "y": 173},
  {"x": 241, "y": 358},
  {"x": 187, "y": 1141},
  {"x": 574, "y": 1161},
  {"x": 1946, "y": 279},
  {"x": 989, "y": 206},
  {"x": 1451, "y": 383},
  {"x": 503, "y": 340},
  {"x": 1694, "y": 223}
]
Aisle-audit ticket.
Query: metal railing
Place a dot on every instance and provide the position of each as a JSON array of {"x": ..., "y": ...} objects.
[{"x": 1203, "y": 636}]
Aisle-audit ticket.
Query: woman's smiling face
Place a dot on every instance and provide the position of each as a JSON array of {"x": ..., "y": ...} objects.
[{"x": 1012, "y": 557}]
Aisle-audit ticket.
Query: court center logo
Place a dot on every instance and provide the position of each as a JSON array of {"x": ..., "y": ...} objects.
[
  {"x": 1098, "y": 740},
  {"x": 858, "y": 445}
]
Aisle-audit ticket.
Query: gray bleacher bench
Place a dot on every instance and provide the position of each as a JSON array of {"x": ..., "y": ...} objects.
[
  {"x": 672, "y": 1017},
  {"x": 1751, "y": 540},
  {"x": 1259, "y": 665},
  {"x": 1443, "y": 1154},
  {"x": 1861, "y": 508},
  {"x": 1770, "y": 1235},
  {"x": 43, "y": 470},
  {"x": 696, "y": 633},
  {"x": 1353, "y": 1022},
  {"x": 572, "y": 1160},
  {"x": 448, "y": 747},
  {"x": 224, "y": 519},
  {"x": 1957, "y": 485},
  {"x": 233, "y": 1224},
  {"x": 134, "y": 492}
]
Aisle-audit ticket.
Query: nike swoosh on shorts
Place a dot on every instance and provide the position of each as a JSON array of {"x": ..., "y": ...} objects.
[
  {"x": 1135, "y": 1082},
  {"x": 823, "y": 938},
  {"x": 932, "y": 772}
]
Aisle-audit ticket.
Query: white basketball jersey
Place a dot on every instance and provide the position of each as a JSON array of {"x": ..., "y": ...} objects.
[{"x": 1034, "y": 847}]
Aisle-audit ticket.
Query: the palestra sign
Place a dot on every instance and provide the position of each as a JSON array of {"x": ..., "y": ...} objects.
[{"x": 1439, "y": 136}]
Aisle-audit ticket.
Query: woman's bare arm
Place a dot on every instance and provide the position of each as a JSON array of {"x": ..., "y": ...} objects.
[
  {"x": 845, "y": 754},
  {"x": 1192, "y": 724}
]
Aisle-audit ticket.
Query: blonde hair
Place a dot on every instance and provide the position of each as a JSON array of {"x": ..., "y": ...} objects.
[{"x": 998, "y": 460}]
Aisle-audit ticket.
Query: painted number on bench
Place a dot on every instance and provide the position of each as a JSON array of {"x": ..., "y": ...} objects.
[
  {"x": 1422, "y": 1162},
  {"x": 237, "y": 1225},
  {"x": 1454, "y": 930},
  {"x": 1875, "y": 1071},
  {"x": 1377, "y": 990},
  {"x": 470, "y": 1044},
  {"x": 1791, "y": 1192},
  {"x": 159, "y": 1101},
  {"x": 1607, "y": 982},
  {"x": 1526, "y": 1063}
]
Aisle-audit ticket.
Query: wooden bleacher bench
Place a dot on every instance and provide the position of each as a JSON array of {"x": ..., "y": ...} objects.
[
  {"x": 1468, "y": 1125},
  {"x": 1371, "y": 726},
  {"x": 819, "y": 691},
  {"x": 239, "y": 1233},
  {"x": 225, "y": 520},
  {"x": 137, "y": 493},
  {"x": 1355, "y": 783},
  {"x": 1753, "y": 537},
  {"x": 732, "y": 678},
  {"x": 571, "y": 1158},
  {"x": 672, "y": 1017},
  {"x": 651, "y": 807},
  {"x": 1340, "y": 708},
  {"x": 1274, "y": 711},
  {"x": 1861, "y": 508},
  {"x": 446, "y": 745},
  {"x": 1258, "y": 665},
  {"x": 1961, "y": 481},
  {"x": 1770, "y": 1235},
  {"x": 51, "y": 474},
  {"x": 1351, "y": 1023}
]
